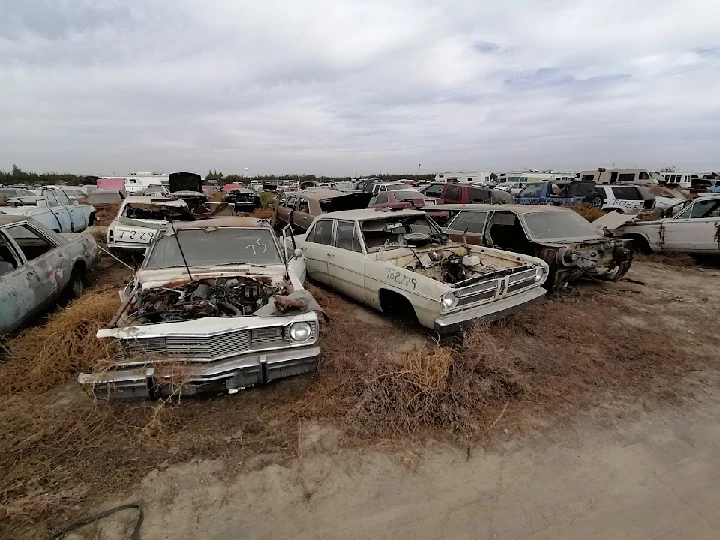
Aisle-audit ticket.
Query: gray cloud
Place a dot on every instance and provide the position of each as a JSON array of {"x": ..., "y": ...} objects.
[{"x": 356, "y": 86}]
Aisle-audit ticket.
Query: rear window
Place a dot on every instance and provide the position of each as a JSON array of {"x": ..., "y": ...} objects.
[
  {"x": 532, "y": 190},
  {"x": 473, "y": 222},
  {"x": 627, "y": 193}
]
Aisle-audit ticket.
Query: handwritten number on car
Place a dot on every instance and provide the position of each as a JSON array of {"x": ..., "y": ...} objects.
[
  {"x": 258, "y": 244},
  {"x": 401, "y": 279},
  {"x": 135, "y": 234}
]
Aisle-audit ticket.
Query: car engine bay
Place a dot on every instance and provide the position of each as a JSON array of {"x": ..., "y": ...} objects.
[{"x": 218, "y": 297}]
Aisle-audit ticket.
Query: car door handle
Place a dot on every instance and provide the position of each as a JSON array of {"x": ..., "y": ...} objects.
[
  {"x": 31, "y": 274},
  {"x": 330, "y": 254}
]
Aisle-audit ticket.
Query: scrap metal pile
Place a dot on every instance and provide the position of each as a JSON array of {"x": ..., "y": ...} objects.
[{"x": 221, "y": 297}]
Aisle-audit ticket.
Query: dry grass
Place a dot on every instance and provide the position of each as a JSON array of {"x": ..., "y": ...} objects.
[
  {"x": 587, "y": 211},
  {"x": 44, "y": 356},
  {"x": 262, "y": 213},
  {"x": 62, "y": 452},
  {"x": 105, "y": 215}
]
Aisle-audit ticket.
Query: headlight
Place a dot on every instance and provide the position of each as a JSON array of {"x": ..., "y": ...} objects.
[
  {"x": 449, "y": 300},
  {"x": 539, "y": 273},
  {"x": 300, "y": 331}
]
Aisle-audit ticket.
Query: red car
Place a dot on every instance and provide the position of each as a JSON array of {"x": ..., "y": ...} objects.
[{"x": 403, "y": 198}]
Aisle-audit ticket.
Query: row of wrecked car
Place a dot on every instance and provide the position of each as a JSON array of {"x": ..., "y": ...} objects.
[{"x": 219, "y": 303}]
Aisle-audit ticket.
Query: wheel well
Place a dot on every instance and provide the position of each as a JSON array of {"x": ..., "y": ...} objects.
[
  {"x": 79, "y": 266},
  {"x": 640, "y": 243},
  {"x": 394, "y": 303},
  {"x": 91, "y": 219}
]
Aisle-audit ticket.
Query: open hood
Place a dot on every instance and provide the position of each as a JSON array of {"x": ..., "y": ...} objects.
[{"x": 184, "y": 181}]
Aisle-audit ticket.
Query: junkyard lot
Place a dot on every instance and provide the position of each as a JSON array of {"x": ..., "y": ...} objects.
[{"x": 614, "y": 351}]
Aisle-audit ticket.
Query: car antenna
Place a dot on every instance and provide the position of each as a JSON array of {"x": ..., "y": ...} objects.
[{"x": 182, "y": 254}]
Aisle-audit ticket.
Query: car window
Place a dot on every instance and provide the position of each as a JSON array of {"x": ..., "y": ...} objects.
[
  {"x": 626, "y": 177},
  {"x": 471, "y": 221},
  {"x": 627, "y": 193},
  {"x": 30, "y": 242},
  {"x": 381, "y": 198},
  {"x": 579, "y": 189},
  {"x": 434, "y": 191},
  {"x": 9, "y": 261},
  {"x": 453, "y": 193},
  {"x": 478, "y": 195},
  {"x": 504, "y": 230},
  {"x": 532, "y": 190},
  {"x": 588, "y": 177},
  {"x": 50, "y": 196},
  {"x": 290, "y": 202},
  {"x": 61, "y": 197},
  {"x": 706, "y": 209},
  {"x": 303, "y": 206},
  {"x": 346, "y": 236},
  {"x": 322, "y": 232}
]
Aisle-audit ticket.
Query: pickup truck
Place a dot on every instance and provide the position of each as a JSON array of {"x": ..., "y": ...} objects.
[
  {"x": 560, "y": 192},
  {"x": 469, "y": 194},
  {"x": 53, "y": 209},
  {"x": 37, "y": 266}
]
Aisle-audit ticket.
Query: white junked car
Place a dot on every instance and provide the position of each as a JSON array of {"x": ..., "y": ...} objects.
[
  {"x": 400, "y": 261},
  {"x": 216, "y": 306},
  {"x": 694, "y": 229},
  {"x": 140, "y": 218}
]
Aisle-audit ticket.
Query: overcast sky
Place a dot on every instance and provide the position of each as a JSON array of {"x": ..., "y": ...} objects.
[{"x": 358, "y": 86}]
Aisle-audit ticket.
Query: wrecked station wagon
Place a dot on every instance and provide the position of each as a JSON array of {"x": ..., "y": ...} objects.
[
  {"x": 566, "y": 241},
  {"x": 215, "y": 306},
  {"x": 401, "y": 261}
]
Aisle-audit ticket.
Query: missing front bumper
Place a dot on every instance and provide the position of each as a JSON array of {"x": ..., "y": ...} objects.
[{"x": 178, "y": 378}]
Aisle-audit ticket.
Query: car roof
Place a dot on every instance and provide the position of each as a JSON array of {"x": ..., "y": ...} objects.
[
  {"x": 318, "y": 193},
  {"x": 366, "y": 214},
  {"x": 517, "y": 208}
]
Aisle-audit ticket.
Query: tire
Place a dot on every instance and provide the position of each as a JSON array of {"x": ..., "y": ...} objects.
[{"x": 594, "y": 200}]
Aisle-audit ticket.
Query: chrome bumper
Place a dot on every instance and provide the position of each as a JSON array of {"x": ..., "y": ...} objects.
[
  {"x": 231, "y": 374},
  {"x": 128, "y": 246},
  {"x": 489, "y": 312}
]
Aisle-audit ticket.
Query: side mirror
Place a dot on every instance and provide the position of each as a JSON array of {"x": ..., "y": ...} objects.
[{"x": 298, "y": 253}]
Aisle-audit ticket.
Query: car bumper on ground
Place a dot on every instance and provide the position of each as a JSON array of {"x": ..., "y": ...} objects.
[
  {"x": 187, "y": 378},
  {"x": 488, "y": 312},
  {"x": 127, "y": 246}
]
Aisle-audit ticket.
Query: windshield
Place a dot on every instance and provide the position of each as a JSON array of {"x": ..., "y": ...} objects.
[
  {"x": 8, "y": 193},
  {"x": 214, "y": 247},
  {"x": 380, "y": 233},
  {"x": 547, "y": 225},
  {"x": 395, "y": 187}
]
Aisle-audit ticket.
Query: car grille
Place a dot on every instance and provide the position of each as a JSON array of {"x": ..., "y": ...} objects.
[
  {"x": 521, "y": 280},
  {"x": 476, "y": 293},
  {"x": 487, "y": 289},
  {"x": 210, "y": 347}
]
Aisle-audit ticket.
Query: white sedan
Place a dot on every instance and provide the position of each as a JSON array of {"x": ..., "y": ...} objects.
[{"x": 400, "y": 261}]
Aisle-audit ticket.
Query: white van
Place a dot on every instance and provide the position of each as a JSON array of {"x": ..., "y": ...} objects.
[
  {"x": 616, "y": 176},
  {"x": 685, "y": 179}
]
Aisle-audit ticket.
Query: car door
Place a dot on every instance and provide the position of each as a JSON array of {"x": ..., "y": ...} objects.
[
  {"x": 62, "y": 215},
  {"x": 695, "y": 229},
  {"x": 472, "y": 222},
  {"x": 17, "y": 299},
  {"x": 452, "y": 194},
  {"x": 302, "y": 218},
  {"x": 46, "y": 268},
  {"x": 78, "y": 221},
  {"x": 318, "y": 249},
  {"x": 347, "y": 266},
  {"x": 379, "y": 201}
]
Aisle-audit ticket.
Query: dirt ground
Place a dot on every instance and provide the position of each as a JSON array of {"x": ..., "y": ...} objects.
[{"x": 545, "y": 425}]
